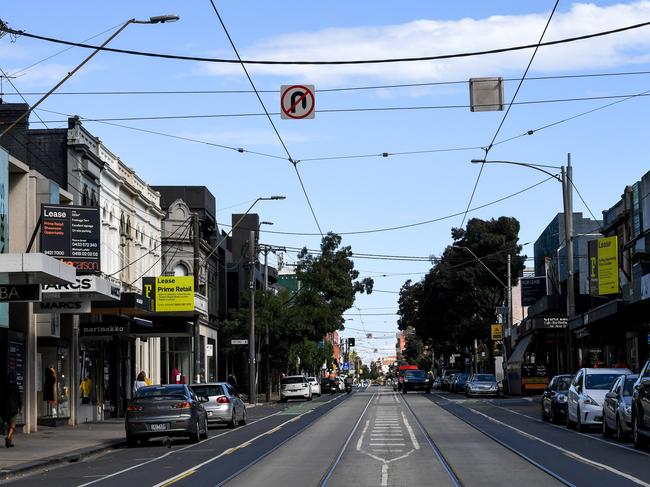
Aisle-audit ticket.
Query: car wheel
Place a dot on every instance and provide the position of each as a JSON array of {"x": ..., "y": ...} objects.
[
  {"x": 569, "y": 422},
  {"x": 205, "y": 429},
  {"x": 620, "y": 436},
  {"x": 640, "y": 441},
  {"x": 131, "y": 441},
  {"x": 233, "y": 421},
  {"x": 552, "y": 417},
  {"x": 607, "y": 432},
  {"x": 243, "y": 419},
  {"x": 404, "y": 391},
  {"x": 579, "y": 425},
  {"x": 196, "y": 435}
]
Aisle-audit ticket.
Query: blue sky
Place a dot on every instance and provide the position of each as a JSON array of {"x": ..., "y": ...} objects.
[{"x": 609, "y": 147}]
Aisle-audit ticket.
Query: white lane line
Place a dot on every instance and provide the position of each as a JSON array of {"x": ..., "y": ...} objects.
[
  {"x": 384, "y": 474},
  {"x": 414, "y": 440},
  {"x": 569, "y": 453},
  {"x": 386, "y": 444},
  {"x": 611, "y": 443},
  {"x": 390, "y": 450},
  {"x": 363, "y": 433}
]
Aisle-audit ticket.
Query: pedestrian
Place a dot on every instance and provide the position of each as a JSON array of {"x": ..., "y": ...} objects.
[
  {"x": 11, "y": 404},
  {"x": 139, "y": 382},
  {"x": 232, "y": 380},
  {"x": 86, "y": 389},
  {"x": 147, "y": 380}
]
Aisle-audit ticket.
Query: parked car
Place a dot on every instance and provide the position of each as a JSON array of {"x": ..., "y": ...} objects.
[
  {"x": 224, "y": 404},
  {"x": 293, "y": 387},
  {"x": 340, "y": 386},
  {"x": 437, "y": 383},
  {"x": 315, "y": 386},
  {"x": 641, "y": 408},
  {"x": 416, "y": 380},
  {"x": 325, "y": 385},
  {"x": 165, "y": 410},
  {"x": 459, "y": 382},
  {"x": 587, "y": 394},
  {"x": 446, "y": 375},
  {"x": 617, "y": 408},
  {"x": 482, "y": 385},
  {"x": 555, "y": 397}
]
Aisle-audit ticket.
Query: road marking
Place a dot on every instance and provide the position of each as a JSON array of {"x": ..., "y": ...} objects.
[
  {"x": 183, "y": 477},
  {"x": 384, "y": 474},
  {"x": 414, "y": 440},
  {"x": 569, "y": 453},
  {"x": 386, "y": 444},
  {"x": 363, "y": 433}
]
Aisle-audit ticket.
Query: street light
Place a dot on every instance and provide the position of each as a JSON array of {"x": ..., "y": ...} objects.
[
  {"x": 566, "y": 179},
  {"x": 160, "y": 19}
]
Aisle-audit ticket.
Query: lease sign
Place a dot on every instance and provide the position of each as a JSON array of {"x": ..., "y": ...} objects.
[{"x": 607, "y": 266}]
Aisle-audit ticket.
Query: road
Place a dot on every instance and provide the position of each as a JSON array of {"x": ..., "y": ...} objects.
[{"x": 372, "y": 437}]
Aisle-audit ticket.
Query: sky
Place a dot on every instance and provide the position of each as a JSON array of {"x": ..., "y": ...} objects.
[{"x": 608, "y": 146}]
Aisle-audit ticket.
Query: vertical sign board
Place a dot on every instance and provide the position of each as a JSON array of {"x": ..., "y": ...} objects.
[
  {"x": 170, "y": 294},
  {"x": 72, "y": 235},
  {"x": 4, "y": 223},
  {"x": 496, "y": 332},
  {"x": 532, "y": 289},
  {"x": 607, "y": 262}
]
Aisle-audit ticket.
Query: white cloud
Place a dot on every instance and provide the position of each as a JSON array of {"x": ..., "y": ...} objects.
[{"x": 430, "y": 37}]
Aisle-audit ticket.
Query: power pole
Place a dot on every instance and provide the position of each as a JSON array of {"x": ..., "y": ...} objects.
[
  {"x": 252, "y": 380},
  {"x": 267, "y": 360},
  {"x": 567, "y": 193},
  {"x": 197, "y": 325},
  {"x": 509, "y": 322}
]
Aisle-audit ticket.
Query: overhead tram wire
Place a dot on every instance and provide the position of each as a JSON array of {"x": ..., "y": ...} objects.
[
  {"x": 8, "y": 78},
  {"x": 416, "y": 224},
  {"x": 323, "y": 90},
  {"x": 275, "y": 129},
  {"x": 505, "y": 115},
  {"x": 566, "y": 40}
]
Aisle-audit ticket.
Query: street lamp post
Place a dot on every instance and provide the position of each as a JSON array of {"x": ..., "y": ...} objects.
[
  {"x": 267, "y": 360},
  {"x": 566, "y": 179},
  {"x": 159, "y": 19}
]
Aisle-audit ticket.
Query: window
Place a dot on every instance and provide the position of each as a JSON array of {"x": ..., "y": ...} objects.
[
  {"x": 208, "y": 390},
  {"x": 85, "y": 199},
  {"x": 563, "y": 384},
  {"x": 600, "y": 381},
  {"x": 180, "y": 270},
  {"x": 628, "y": 389}
]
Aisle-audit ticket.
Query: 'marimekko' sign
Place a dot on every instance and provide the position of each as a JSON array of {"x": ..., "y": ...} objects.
[{"x": 170, "y": 294}]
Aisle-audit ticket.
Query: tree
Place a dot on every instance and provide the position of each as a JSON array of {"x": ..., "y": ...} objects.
[{"x": 456, "y": 301}]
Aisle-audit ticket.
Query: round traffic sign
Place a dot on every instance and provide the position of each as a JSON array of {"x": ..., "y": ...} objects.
[{"x": 297, "y": 101}]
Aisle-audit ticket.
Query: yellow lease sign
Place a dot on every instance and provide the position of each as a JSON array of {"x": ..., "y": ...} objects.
[
  {"x": 497, "y": 332},
  {"x": 174, "y": 293},
  {"x": 608, "y": 266}
]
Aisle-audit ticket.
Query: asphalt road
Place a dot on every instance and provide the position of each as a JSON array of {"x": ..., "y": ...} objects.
[{"x": 373, "y": 437}]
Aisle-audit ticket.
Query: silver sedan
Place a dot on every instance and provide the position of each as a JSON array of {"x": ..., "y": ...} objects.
[
  {"x": 224, "y": 404},
  {"x": 617, "y": 408}
]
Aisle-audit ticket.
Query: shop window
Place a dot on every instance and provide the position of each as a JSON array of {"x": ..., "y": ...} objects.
[{"x": 180, "y": 270}]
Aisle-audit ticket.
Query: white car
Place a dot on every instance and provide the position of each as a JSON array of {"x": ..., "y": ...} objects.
[
  {"x": 315, "y": 386},
  {"x": 295, "y": 387},
  {"x": 587, "y": 395}
]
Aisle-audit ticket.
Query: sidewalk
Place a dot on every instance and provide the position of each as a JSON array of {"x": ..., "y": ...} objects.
[{"x": 49, "y": 446}]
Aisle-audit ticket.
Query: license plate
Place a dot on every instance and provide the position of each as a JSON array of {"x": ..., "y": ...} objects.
[{"x": 158, "y": 427}]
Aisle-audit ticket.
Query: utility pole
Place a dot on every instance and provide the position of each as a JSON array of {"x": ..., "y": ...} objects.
[
  {"x": 567, "y": 193},
  {"x": 252, "y": 376},
  {"x": 509, "y": 322},
  {"x": 197, "y": 316},
  {"x": 267, "y": 360}
]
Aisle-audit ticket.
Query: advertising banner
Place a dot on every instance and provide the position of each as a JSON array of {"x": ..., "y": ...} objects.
[
  {"x": 532, "y": 288},
  {"x": 4, "y": 223},
  {"x": 607, "y": 266},
  {"x": 72, "y": 235},
  {"x": 20, "y": 293},
  {"x": 170, "y": 294}
]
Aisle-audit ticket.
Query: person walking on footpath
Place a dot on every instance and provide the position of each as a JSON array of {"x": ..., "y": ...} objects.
[
  {"x": 139, "y": 382},
  {"x": 11, "y": 404}
]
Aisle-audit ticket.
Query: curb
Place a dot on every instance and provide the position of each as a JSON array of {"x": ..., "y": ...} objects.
[{"x": 72, "y": 457}]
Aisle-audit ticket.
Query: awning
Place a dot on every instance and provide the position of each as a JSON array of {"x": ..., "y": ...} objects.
[
  {"x": 85, "y": 286},
  {"x": 520, "y": 349},
  {"x": 35, "y": 268}
]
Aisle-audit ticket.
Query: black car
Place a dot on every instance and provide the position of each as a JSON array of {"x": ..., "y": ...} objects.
[
  {"x": 416, "y": 380},
  {"x": 459, "y": 382},
  {"x": 641, "y": 408},
  {"x": 554, "y": 399},
  {"x": 326, "y": 386}
]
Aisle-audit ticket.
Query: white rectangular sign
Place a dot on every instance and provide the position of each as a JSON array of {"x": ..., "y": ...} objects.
[
  {"x": 87, "y": 286},
  {"x": 239, "y": 342}
]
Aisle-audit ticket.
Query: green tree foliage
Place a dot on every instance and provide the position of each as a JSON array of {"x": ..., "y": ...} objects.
[{"x": 456, "y": 301}]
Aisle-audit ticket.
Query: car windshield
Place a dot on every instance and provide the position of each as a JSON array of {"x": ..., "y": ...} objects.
[
  {"x": 209, "y": 390},
  {"x": 420, "y": 374},
  {"x": 600, "y": 381},
  {"x": 293, "y": 380},
  {"x": 484, "y": 378},
  {"x": 312, "y": 379},
  {"x": 160, "y": 391},
  {"x": 628, "y": 388},
  {"x": 563, "y": 384}
]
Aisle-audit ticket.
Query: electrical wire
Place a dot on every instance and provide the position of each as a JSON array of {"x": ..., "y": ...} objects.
[
  {"x": 505, "y": 115},
  {"x": 275, "y": 129},
  {"x": 566, "y": 40},
  {"x": 8, "y": 78},
  {"x": 328, "y": 90}
]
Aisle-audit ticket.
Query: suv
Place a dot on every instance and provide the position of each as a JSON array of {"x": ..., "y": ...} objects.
[
  {"x": 415, "y": 380},
  {"x": 587, "y": 395},
  {"x": 641, "y": 408},
  {"x": 295, "y": 386}
]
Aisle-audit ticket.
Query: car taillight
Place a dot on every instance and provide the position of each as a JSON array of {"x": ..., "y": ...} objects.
[
  {"x": 182, "y": 405},
  {"x": 223, "y": 400},
  {"x": 134, "y": 407}
]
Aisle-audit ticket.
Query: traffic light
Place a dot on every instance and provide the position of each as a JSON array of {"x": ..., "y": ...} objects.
[{"x": 350, "y": 342}]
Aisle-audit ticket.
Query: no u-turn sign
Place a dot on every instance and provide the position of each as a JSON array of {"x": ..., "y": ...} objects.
[{"x": 297, "y": 101}]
